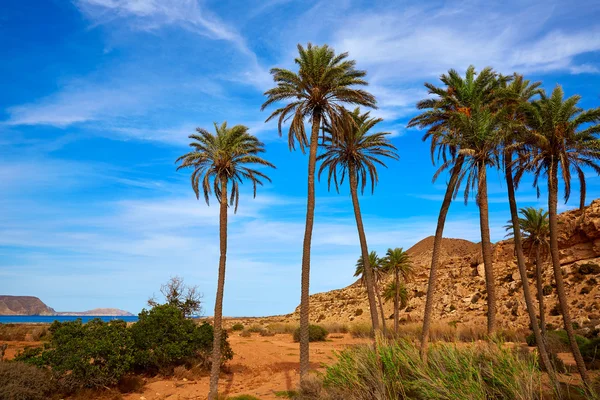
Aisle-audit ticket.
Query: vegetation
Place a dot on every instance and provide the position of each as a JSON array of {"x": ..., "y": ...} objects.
[
  {"x": 20, "y": 381},
  {"x": 351, "y": 150},
  {"x": 219, "y": 160},
  {"x": 397, "y": 262},
  {"x": 396, "y": 371},
  {"x": 316, "y": 333},
  {"x": 188, "y": 299},
  {"x": 99, "y": 354},
  {"x": 376, "y": 265},
  {"x": 237, "y": 327},
  {"x": 324, "y": 82}
]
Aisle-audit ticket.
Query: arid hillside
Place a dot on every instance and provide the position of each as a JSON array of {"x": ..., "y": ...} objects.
[
  {"x": 461, "y": 296},
  {"x": 23, "y": 305}
]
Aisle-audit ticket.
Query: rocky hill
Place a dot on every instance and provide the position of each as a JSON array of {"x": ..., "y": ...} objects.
[
  {"x": 29, "y": 305},
  {"x": 461, "y": 296},
  {"x": 23, "y": 305},
  {"x": 99, "y": 312}
]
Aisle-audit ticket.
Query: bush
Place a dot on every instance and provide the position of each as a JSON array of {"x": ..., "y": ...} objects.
[
  {"x": 316, "y": 333},
  {"x": 395, "y": 370},
  {"x": 558, "y": 341},
  {"x": 19, "y": 381},
  {"x": 95, "y": 354},
  {"x": 282, "y": 328},
  {"x": 237, "y": 327},
  {"x": 361, "y": 331},
  {"x": 246, "y": 333},
  {"x": 164, "y": 338}
]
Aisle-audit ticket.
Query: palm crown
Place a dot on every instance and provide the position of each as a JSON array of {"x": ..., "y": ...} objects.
[
  {"x": 324, "y": 82},
  {"x": 354, "y": 150},
  {"x": 398, "y": 260},
  {"x": 563, "y": 135},
  {"x": 534, "y": 225},
  {"x": 223, "y": 157},
  {"x": 375, "y": 262}
]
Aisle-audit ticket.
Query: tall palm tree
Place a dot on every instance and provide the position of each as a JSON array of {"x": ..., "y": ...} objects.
[
  {"x": 535, "y": 230},
  {"x": 350, "y": 149},
  {"x": 563, "y": 138},
  {"x": 376, "y": 265},
  {"x": 457, "y": 96},
  {"x": 324, "y": 82},
  {"x": 225, "y": 158},
  {"x": 398, "y": 262},
  {"x": 512, "y": 98},
  {"x": 398, "y": 293}
]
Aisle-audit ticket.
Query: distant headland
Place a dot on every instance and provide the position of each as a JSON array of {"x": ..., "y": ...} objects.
[{"x": 30, "y": 305}]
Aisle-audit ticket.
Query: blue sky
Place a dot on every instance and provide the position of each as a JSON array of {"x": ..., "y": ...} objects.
[{"x": 98, "y": 97}]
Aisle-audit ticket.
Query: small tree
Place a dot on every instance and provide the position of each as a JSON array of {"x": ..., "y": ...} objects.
[{"x": 186, "y": 298}]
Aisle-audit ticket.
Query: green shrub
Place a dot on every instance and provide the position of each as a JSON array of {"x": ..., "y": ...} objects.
[
  {"x": 237, "y": 327},
  {"x": 396, "y": 371},
  {"x": 164, "y": 338},
  {"x": 19, "y": 381},
  {"x": 95, "y": 354},
  {"x": 316, "y": 333},
  {"x": 558, "y": 341}
]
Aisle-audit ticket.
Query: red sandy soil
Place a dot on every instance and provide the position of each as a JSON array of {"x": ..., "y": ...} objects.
[{"x": 260, "y": 367}]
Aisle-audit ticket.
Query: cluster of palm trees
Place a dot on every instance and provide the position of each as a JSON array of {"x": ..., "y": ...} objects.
[
  {"x": 476, "y": 122},
  {"x": 487, "y": 120},
  {"x": 396, "y": 262}
]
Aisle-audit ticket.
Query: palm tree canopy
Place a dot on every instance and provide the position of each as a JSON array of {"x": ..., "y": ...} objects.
[
  {"x": 464, "y": 119},
  {"x": 376, "y": 265},
  {"x": 324, "y": 82},
  {"x": 398, "y": 260},
  {"x": 534, "y": 225},
  {"x": 350, "y": 148},
  {"x": 564, "y": 135},
  {"x": 389, "y": 293},
  {"x": 228, "y": 154}
]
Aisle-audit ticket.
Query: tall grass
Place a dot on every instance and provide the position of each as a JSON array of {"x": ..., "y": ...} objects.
[{"x": 395, "y": 370}]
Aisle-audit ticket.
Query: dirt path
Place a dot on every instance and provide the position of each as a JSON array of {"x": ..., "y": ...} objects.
[{"x": 261, "y": 366}]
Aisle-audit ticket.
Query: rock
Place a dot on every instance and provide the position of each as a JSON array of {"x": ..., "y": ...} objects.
[{"x": 481, "y": 270}]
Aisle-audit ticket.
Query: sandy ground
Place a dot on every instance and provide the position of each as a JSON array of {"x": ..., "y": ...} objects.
[{"x": 260, "y": 367}]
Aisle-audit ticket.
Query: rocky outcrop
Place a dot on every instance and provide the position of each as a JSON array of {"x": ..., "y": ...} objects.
[
  {"x": 23, "y": 305},
  {"x": 462, "y": 295}
]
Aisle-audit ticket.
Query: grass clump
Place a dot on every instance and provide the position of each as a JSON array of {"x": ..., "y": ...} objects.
[
  {"x": 396, "y": 371},
  {"x": 237, "y": 327},
  {"x": 21, "y": 381},
  {"x": 316, "y": 333},
  {"x": 282, "y": 328},
  {"x": 361, "y": 331}
]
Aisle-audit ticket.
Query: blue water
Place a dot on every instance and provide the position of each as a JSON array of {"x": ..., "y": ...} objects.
[{"x": 48, "y": 319}]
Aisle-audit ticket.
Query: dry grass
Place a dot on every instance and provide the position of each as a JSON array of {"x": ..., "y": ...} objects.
[
  {"x": 23, "y": 332},
  {"x": 335, "y": 327},
  {"x": 280, "y": 327}
]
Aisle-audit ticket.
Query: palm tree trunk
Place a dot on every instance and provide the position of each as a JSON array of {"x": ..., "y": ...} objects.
[
  {"x": 396, "y": 300},
  {"x": 216, "y": 355},
  {"x": 378, "y": 293},
  {"x": 310, "y": 216},
  {"x": 540, "y": 289},
  {"x": 558, "y": 277},
  {"x": 368, "y": 271},
  {"x": 486, "y": 248},
  {"x": 541, "y": 344},
  {"x": 435, "y": 257}
]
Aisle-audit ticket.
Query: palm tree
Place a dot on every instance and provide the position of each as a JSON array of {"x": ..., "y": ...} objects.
[
  {"x": 398, "y": 261},
  {"x": 398, "y": 293},
  {"x": 218, "y": 160},
  {"x": 351, "y": 150},
  {"x": 376, "y": 265},
  {"x": 511, "y": 100},
  {"x": 324, "y": 82},
  {"x": 535, "y": 229},
  {"x": 563, "y": 137},
  {"x": 458, "y": 96}
]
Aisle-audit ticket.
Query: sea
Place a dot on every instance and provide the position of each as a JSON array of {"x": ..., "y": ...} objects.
[{"x": 48, "y": 319}]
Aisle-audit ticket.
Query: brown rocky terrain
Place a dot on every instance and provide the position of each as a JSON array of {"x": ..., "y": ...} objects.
[
  {"x": 23, "y": 305},
  {"x": 461, "y": 297}
]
